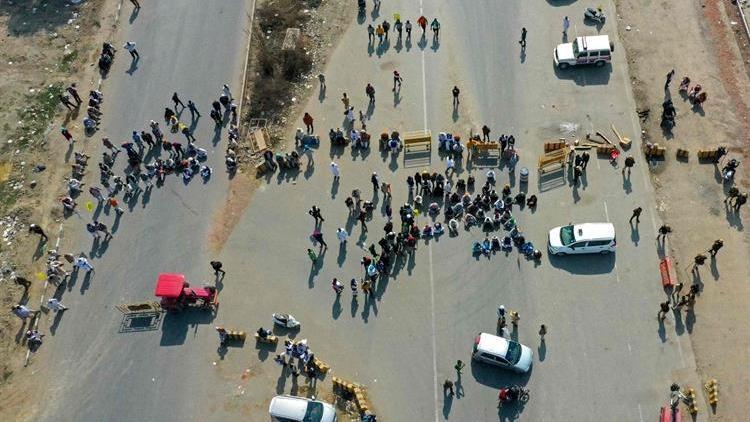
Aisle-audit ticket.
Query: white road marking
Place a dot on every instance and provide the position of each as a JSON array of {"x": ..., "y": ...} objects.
[
  {"x": 640, "y": 412},
  {"x": 630, "y": 349},
  {"x": 679, "y": 349},
  {"x": 617, "y": 273},
  {"x": 606, "y": 211}
]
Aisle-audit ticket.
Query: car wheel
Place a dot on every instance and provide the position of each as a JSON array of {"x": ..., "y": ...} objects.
[
  {"x": 563, "y": 66},
  {"x": 605, "y": 252},
  {"x": 560, "y": 254},
  {"x": 600, "y": 63}
]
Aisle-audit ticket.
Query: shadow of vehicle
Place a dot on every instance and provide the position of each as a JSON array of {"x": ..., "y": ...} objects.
[
  {"x": 176, "y": 325},
  {"x": 585, "y": 75},
  {"x": 588, "y": 264}
]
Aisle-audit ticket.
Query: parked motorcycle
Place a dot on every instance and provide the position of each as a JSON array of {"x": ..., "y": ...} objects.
[
  {"x": 285, "y": 320},
  {"x": 513, "y": 393},
  {"x": 596, "y": 15}
]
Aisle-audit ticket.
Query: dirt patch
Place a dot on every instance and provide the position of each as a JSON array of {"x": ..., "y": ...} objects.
[{"x": 696, "y": 39}]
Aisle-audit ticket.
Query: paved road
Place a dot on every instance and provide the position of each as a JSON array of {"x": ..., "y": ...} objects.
[
  {"x": 192, "y": 47},
  {"x": 604, "y": 344}
]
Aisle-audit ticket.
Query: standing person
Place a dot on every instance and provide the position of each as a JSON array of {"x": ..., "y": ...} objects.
[
  {"x": 193, "y": 109},
  {"x": 130, "y": 46},
  {"x": 699, "y": 260},
  {"x": 740, "y": 201},
  {"x": 322, "y": 80},
  {"x": 459, "y": 366},
  {"x": 353, "y": 286},
  {"x": 55, "y": 305},
  {"x": 217, "y": 267},
  {"x": 455, "y": 92},
  {"x": 345, "y": 100},
  {"x": 664, "y": 230},
  {"x": 566, "y": 25},
  {"x": 82, "y": 262},
  {"x": 486, "y": 133},
  {"x": 399, "y": 28},
  {"x": 307, "y": 119},
  {"x": 148, "y": 139},
  {"x": 318, "y": 236},
  {"x": 375, "y": 182},
  {"x": 585, "y": 157},
  {"x": 361, "y": 217},
  {"x": 65, "y": 100},
  {"x": 312, "y": 256},
  {"x": 337, "y": 286},
  {"x": 448, "y": 385},
  {"x": 670, "y": 75},
  {"x": 110, "y": 146},
  {"x": 370, "y": 33},
  {"x": 370, "y": 91},
  {"x": 66, "y": 134},
  {"x": 314, "y": 211},
  {"x": 523, "y": 39},
  {"x": 577, "y": 172},
  {"x": 335, "y": 170},
  {"x": 379, "y": 31},
  {"x": 732, "y": 194},
  {"x": 718, "y": 244},
  {"x": 226, "y": 91},
  {"x": 23, "y": 312},
  {"x": 435, "y": 26},
  {"x": 74, "y": 92},
  {"x": 542, "y": 332},
  {"x": 637, "y": 215},
  {"x": 407, "y": 26},
  {"x": 397, "y": 79},
  {"x": 663, "y": 309},
  {"x": 177, "y": 101},
  {"x": 422, "y": 22},
  {"x": 33, "y": 228},
  {"x": 341, "y": 234},
  {"x": 629, "y": 163},
  {"x": 450, "y": 165},
  {"x": 386, "y": 27}
]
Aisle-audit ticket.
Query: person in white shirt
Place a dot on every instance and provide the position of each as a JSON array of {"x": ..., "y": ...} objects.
[
  {"x": 55, "y": 305},
  {"x": 341, "y": 234},
  {"x": 450, "y": 165},
  {"x": 335, "y": 170},
  {"x": 130, "y": 46}
]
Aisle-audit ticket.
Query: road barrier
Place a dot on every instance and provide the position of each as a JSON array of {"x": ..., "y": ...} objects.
[
  {"x": 668, "y": 273},
  {"x": 712, "y": 389},
  {"x": 321, "y": 366},
  {"x": 552, "y": 158},
  {"x": 420, "y": 140},
  {"x": 235, "y": 335},
  {"x": 691, "y": 402},
  {"x": 270, "y": 339},
  {"x": 553, "y": 146},
  {"x": 705, "y": 154},
  {"x": 682, "y": 153}
]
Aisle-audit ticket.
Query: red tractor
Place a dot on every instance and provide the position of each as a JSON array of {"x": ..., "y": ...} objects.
[{"x": 176, "y": 294}]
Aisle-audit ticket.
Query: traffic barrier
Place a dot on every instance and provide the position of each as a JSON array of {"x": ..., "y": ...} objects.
[
  {"x": 691, "y": 402},
  {"x": 553, "y": 146},
  {"x": 707, "y": 153},
  {"x": 712, "y": 389},
  {"x": 321, "y": 366},
  {"x": 654, "y": 151},
  {"x": 605, "y": 149},
  {"x": 682, "y": 153},
  {"x": 420, "y": 140},
  {"x": 271, "y": 339},
  {"x": 552, "y": 158},
  {"x": 668, "y": 273}
]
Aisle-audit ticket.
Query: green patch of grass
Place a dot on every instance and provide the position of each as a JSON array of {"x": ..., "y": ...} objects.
[
  {"x": 8, "y": 196},
  {"x": 37, "y": 114},
  {"x": 67, "y": 61}
]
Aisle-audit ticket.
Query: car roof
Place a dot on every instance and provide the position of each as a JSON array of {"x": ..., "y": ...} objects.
[
  {"x": 493, "y": 344},
  {"x": 289, "y": 407},
  {"x": 594, "y": 231},
  {"x": 593, "y": 42}
]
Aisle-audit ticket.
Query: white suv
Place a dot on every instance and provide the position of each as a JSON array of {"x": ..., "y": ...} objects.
[
  {"x": 300, "y": 409},
  {"x": 596, "y": 50},
  {"x": 582, "y": 238}
]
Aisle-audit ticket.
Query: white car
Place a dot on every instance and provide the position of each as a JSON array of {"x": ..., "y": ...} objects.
[
  {"x": 502, "y": 352},
  {"x": 300, "y": 409},
  {"x": 582, "y": 238},
  {"x": 596, "y": 50}
]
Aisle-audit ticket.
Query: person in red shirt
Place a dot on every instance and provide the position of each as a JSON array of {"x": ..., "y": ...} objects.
[
  {"x": 422, "y": 22},
  {"x": 308, "y": 121}
]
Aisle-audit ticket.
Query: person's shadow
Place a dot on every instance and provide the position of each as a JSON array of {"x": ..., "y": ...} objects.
[
  {"x": 447, "y": 403},
  {"x": 523, "y": 55},
  {"x": 542, "y": 351},
  {"x": 134, "y": 15},
  {"x": 322, "y": 93},
  {"x": 133, "y": 66},
  {"x": 435, "y": 44},
  {"x": 455, "y": 114},
  {"x": 336, "y": 308},
  {"x": 396, "y": 97},
  {"x": 634, "y": 234},
  {"x": 334, "y": 188}
]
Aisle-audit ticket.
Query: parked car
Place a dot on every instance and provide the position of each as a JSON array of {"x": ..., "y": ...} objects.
[
  {"x": 300, "y": 409},
  {"x": 502, "y": 352},
  {"x": 596, "y": 50},
  {"x": 582, "y": 238}
]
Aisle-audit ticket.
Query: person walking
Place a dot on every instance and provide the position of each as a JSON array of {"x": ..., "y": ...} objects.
[
  {"x": 448, "y": 385},
  {"x": 637, "y": 215},
  {"x": 337, "y": 286},
  {"x": 370, "y": 91},
  {"x": 670, "y": 75},
  {"x": 450, "y": 165},
  {"x": 33, "y": 228},
  {"x": 345, "y": 101},
  {"x": 148, "y": 139},
  {"x": 663, "y": 309},
  {"x": 54, "y": 304},
  {"x": 407, "y": 27},
  {"x": 177, "y": 101},
  {"x": 375, "y": 182},
  {"x": 67, "y": 135},
  {"x": 523, "y": 39},
  {"x": 397, "y": 79},
  {"x": 314, "y": 211},
  {"x": 379, "y": 31},
  {"x": 65, "y": 100},
  {"x": 629, "y": 163},
  {"x": 566, "y": 25},
  {"x": 422, "y": 22},
  {"x": 399, "y": 27},
  {"x": 370, "y": 33},
  {"x": 699, "y": 260},
  {"x": 361, "y": 217},
  {"x": 718, "y": 244},
  {"x": 307, "y": 119},
  {"x": 542, "y": 332},
  {"x": 217, "y": 267},
  {"x": 585, "y": 157},
  {"x": 322, "y": 80},
  {"x": 740, "y": 201},
  {"x": 73, "y": 91},
  {"x": 312, "y": 256},
  {"x": 386, "y": 27},
  {"x": 342, "y": 234},
  {"x": 354, "y": 288},
  {"x": 318, "y": 237},
  {"x": 459, "y": 366},
  {"x": 435, "y": 26},
  {"x": 733, "y": 193},
  {"x": 193, "y": 109},
  {"x": 130, "y": 46},
  {"x": 577, "y": 172},
  {"x": 455, "y": 93},
  {"x": 110, "y": 146},
  {"x": 664, "y": 230},
  {"x": 335, "y": 170}
]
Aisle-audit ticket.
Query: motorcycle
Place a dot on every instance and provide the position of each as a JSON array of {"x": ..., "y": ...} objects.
[
  {"x": 729, "y": 169},
  {"x": 512, "y": 394},
  {"x": 285, "y": 320},
  {"x": 596, "y": 15}
]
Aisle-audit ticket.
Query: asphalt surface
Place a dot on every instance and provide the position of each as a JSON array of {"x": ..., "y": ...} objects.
[{"x": 605, "y": 357}]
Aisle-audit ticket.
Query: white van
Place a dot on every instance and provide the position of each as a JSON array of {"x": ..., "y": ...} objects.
[
  {"x": 300, "y": 409},
  {"x": 596, "y": 50},
  {"x": 502, "y": 352},
  {"x": 582, "y": 238}
]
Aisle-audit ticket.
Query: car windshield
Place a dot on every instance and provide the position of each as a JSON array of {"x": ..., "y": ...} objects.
[
  {"x": 575, "y": 48},
  {"x": 567, "y": 235},
  {"x": 514, "y": 352},
  {"x": 314, "y": 412}
]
